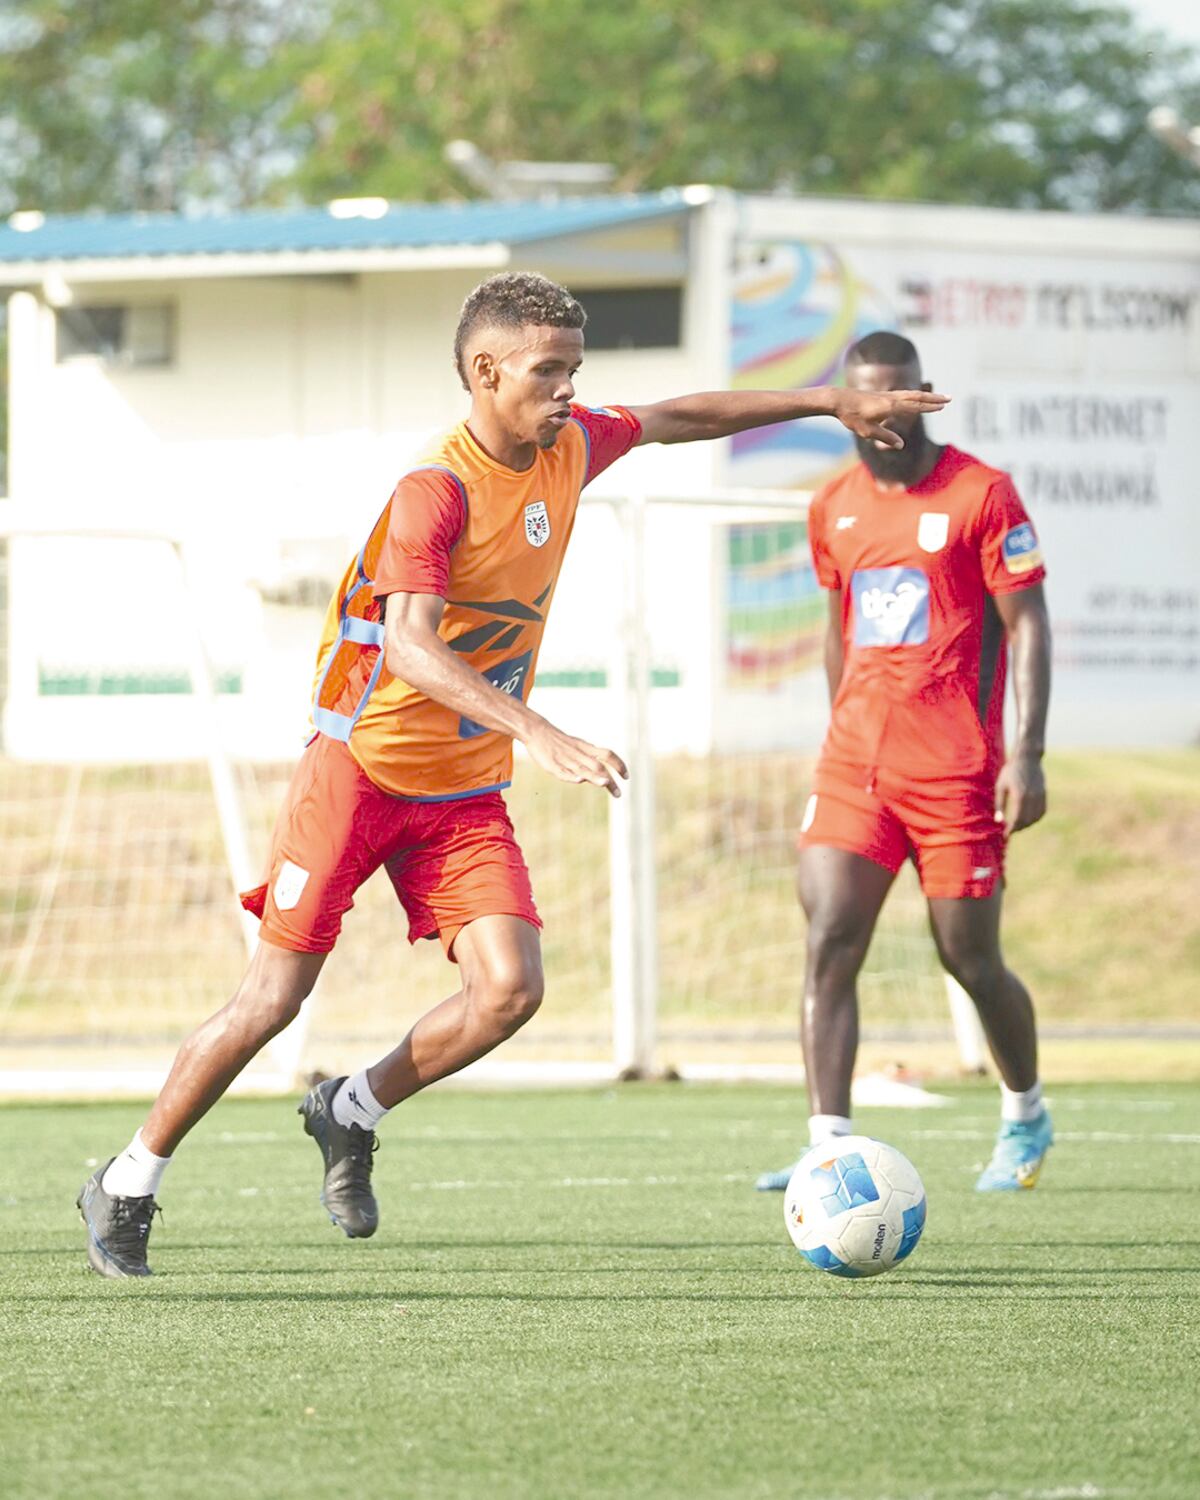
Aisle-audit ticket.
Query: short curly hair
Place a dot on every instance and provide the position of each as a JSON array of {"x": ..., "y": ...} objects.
[{"x": 514, "y": 299}]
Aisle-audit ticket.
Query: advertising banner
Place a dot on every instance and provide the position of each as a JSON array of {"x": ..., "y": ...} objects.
[{"x": 1079, "y": 375}]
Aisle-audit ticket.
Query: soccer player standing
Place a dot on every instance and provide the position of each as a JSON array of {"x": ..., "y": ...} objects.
[
  {"x": 427, "y": 656},
  {"x": 934, "y": 576}
]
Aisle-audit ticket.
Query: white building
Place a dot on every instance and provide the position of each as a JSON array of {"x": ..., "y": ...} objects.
[{"x": 254, "y": 383}]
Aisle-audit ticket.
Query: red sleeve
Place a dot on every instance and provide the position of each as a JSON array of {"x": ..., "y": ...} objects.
[
  {"x": 427, "y": 516},
  {"x": 611, "y": 431},
  {"x": 1009, "y": 551},
  {"x": 823, "y": 564}
]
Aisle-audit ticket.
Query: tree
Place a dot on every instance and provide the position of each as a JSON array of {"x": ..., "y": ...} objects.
[
  {"x": 141, "y": 104},
  {"x": 149, "y": 104},
  {"x": 1032, "y": 103}
]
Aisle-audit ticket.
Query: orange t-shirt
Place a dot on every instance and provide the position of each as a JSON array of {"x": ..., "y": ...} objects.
[
  {"x": 922, "y": 689},
  {"x": 490, "y": 541}
]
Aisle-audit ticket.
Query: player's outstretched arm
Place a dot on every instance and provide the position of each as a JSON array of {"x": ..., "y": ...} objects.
[
  {"x": 717, "y": 414},
  {"x": 1021, "y": 785},
  {"x": 416, "y": 653}
]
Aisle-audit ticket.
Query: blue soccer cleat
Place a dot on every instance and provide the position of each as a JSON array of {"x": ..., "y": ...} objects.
[
  {"x": 775, "y": 1182},
  {"x": 1017, "y": 1160}
]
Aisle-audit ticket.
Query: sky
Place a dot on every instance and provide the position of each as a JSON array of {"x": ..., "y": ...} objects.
[{"x": 1178, "y": 18}]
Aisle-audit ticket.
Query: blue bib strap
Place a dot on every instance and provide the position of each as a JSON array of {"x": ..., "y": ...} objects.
[
  {"x": 336, "y": 726},
  {"x": 362, "y": 632}
]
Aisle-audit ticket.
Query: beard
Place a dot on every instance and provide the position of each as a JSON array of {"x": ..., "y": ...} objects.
[{"x": 895, "y": 465}]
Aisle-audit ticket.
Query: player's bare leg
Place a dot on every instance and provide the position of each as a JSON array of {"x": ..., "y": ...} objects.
[
  {"x": 500, "y": 960},
  {"x": 842, "y": 894},
  {"x": 270, "y": 995},
  {"x": 117, "y": 1202},
  {"x": 967, "y": 934}
]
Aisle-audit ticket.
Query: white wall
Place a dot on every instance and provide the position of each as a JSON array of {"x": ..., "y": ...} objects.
[{"x": 288, "y": 411}]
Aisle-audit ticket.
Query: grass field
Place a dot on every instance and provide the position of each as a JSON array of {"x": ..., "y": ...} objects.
[{"x": 579, "y": 1294}]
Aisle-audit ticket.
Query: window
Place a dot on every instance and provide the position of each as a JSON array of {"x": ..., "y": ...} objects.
[
  {"x": 635, "y": 317},
  {"x": 141, "y": 335}
]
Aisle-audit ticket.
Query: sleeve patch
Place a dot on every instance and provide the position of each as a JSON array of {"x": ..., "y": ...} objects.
[{"x": 1020, "y": 549}]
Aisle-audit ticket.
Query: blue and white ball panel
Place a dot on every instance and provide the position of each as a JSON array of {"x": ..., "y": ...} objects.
[
  {"x": 824, "y": 1259},
  {"x": 914, "y": 1224},
  {"x": 845, "y": 1183}
]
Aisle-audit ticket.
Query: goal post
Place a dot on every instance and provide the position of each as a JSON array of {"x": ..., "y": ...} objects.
[
  {"x": 283, "y": 1053},
  {"x": 137, "y": 800},
  {"x": 722, "y": 721}
]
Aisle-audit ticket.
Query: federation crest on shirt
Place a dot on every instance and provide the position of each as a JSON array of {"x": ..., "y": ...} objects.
[
  {"x": 537, "y": 523},
  {"x": 932, "y": 530}
]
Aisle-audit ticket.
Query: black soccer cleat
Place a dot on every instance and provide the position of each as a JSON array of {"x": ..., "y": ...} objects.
[
  {"x": 348, "y": 1151},
  {"x": 118, "y": 1228}
]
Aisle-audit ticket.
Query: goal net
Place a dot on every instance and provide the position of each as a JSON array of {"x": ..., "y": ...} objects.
[{"x": 149, "y": 738}]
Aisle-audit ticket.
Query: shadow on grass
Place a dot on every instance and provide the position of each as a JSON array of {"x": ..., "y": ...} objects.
[
  {"x": 911, "y": 1289},
  {"x": 1143, "y": 1189},
  {"x": 482, "y": 1242}
]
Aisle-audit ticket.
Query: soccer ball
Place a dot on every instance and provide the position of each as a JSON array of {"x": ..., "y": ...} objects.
[{"x": 854, "y": 1206}]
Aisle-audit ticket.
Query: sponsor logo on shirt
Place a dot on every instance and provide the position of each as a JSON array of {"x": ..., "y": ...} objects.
[
  {"x": 844, "y": 523},
  {"x": 932, "y": 530},
  {"x": 537, "y": 524},
  {"x": 1020, "y": 549},
  {"x": 891, "y": 606},
  {"x": 510, "y": 677}
]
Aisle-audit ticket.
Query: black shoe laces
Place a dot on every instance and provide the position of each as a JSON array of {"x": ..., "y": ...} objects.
[
  {"x": 360, "y": 1149},
  {"x": 132, "y": 1218}
]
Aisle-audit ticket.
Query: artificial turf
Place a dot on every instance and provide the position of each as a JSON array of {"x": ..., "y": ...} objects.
[{"x": 579, "y": 1294}]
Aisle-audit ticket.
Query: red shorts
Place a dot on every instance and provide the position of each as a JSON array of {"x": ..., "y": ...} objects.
[
  {"x": 450, "y": 862},
  {"x": 947, "y": 828}
]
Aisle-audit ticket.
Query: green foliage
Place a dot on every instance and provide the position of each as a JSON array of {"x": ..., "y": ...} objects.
[
  {"x": 145, "y": 105},
  {"x": 233, "y": 102},
  {"x": 1020, "y": 102}
]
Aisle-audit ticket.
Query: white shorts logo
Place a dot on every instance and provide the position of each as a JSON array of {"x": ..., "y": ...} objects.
[
  {"x": 537, "y": 524},
  {"x": 289, "y": 885},
  {"x": 810, "y": 814},
  {"x": 932, "y": 530}
]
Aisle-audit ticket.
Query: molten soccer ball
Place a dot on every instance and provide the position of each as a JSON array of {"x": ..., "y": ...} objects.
[{"x": 854, "y": 1206}]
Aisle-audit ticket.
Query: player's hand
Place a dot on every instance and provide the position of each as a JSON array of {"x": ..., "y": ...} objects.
[
  {"x": 865, "y": 412},
  {"x": 575, "y": 760},
  {"x": 1020, "y": 793}
]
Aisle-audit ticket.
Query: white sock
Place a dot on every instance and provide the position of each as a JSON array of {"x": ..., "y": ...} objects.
[
  {"x": 136, "y": 1173},
  {"x": 822, "y": 1127},
  {"x": 1020, "y": 1107},
  {"x": 355, "y": 1104}
]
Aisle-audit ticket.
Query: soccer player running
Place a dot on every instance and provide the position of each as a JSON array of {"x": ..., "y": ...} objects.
[
  {"x": 934, "y": 574},
  {"x": 426, "y": 660}
]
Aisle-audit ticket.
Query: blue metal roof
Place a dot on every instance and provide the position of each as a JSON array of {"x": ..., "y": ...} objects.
[{"x": 265, "y": 232}]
